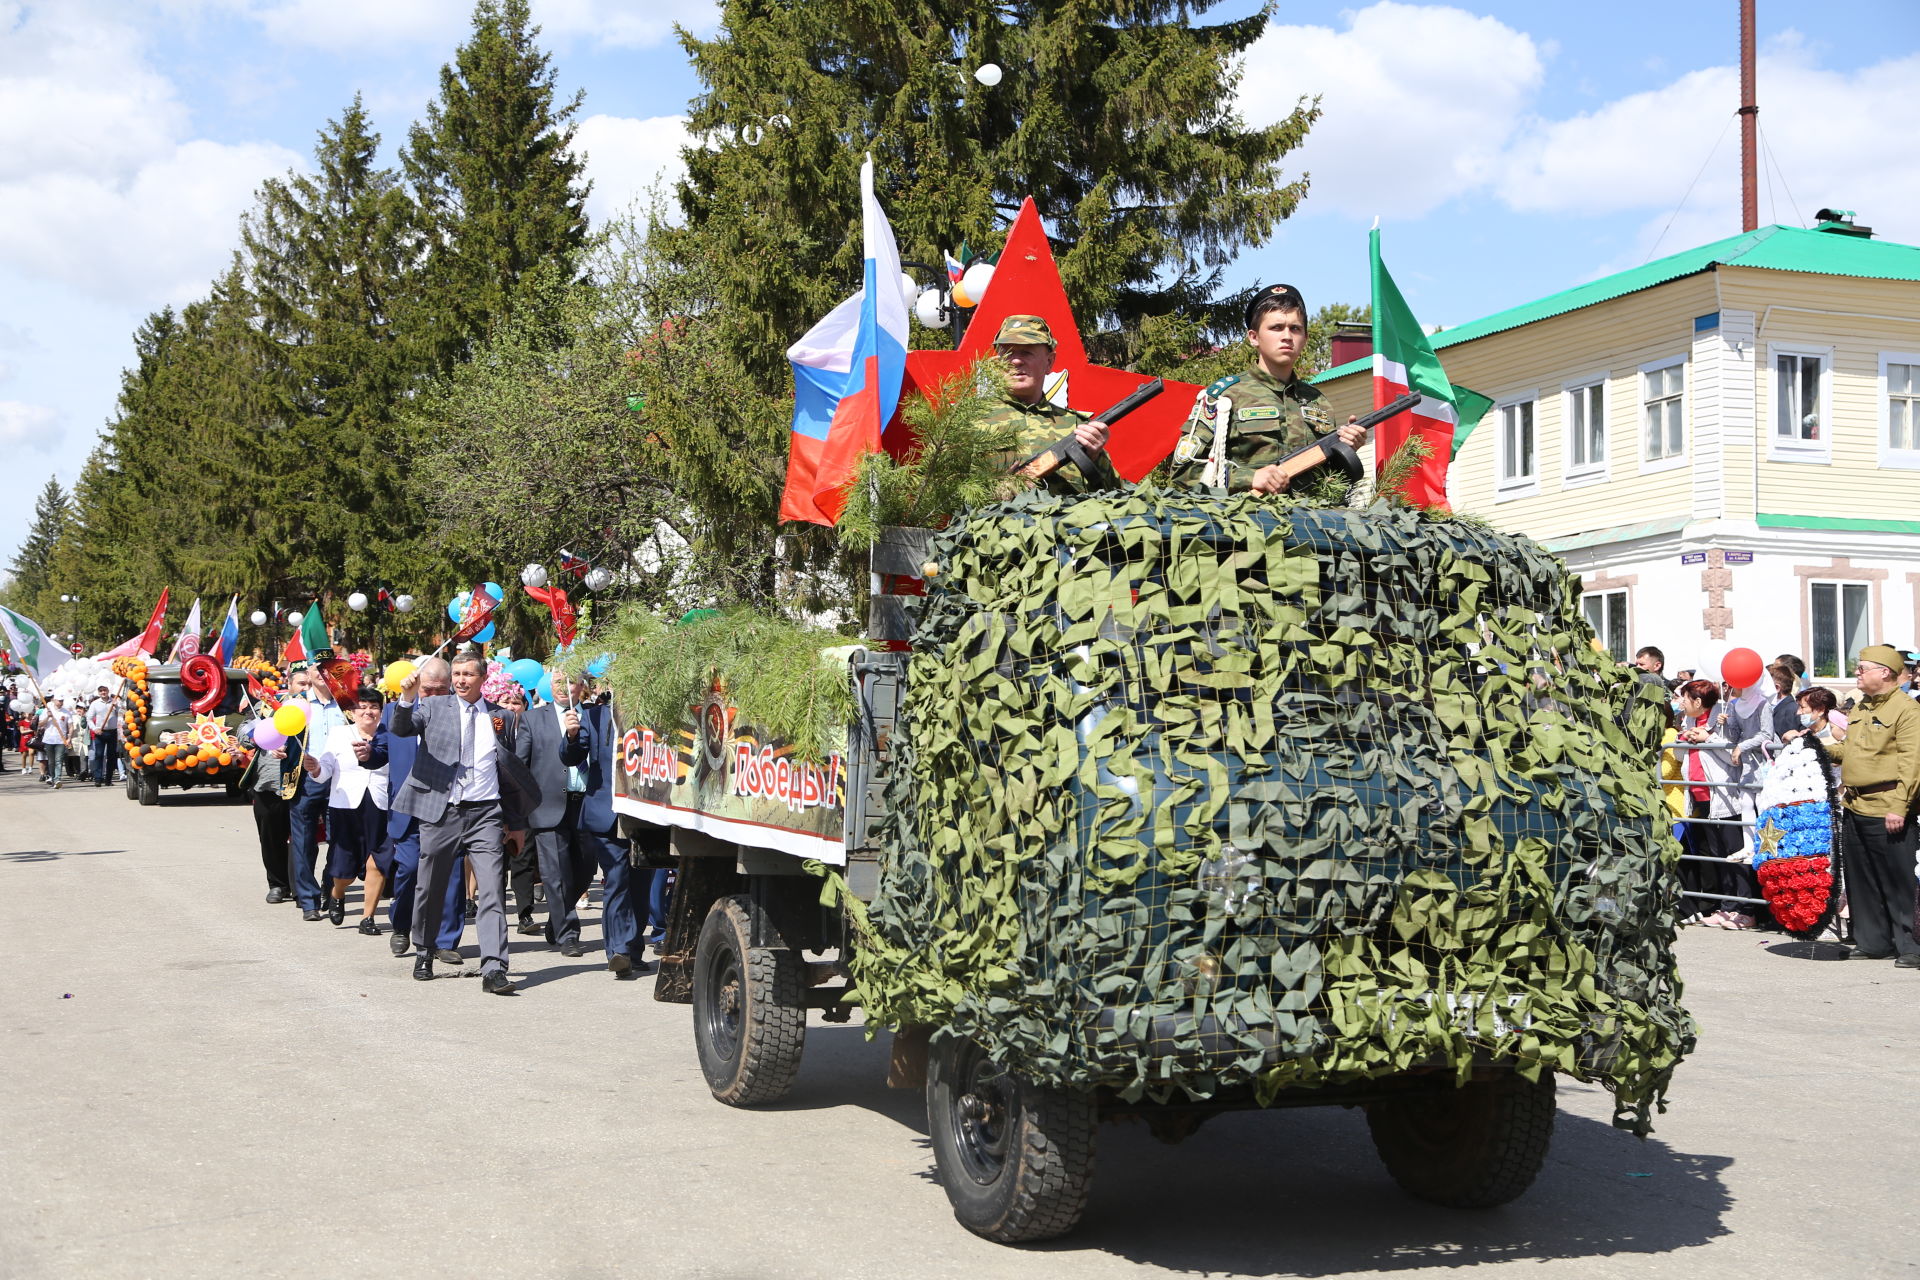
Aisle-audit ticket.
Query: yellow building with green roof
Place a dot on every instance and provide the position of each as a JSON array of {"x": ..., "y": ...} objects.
[{"x": 1723, "y": 444}]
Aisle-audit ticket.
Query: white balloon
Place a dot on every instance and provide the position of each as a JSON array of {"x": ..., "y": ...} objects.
[
  {"x": 357, "y": 601},
  {"x": 598, "y": 579},
  {"x": 534, "y": 575},
  {"x": 258, "y": 618},
  {"x": 293, "y": 617},
  {"x": 976, "y": 280},
  {"x": 930, "y": 310},
  {"x": 403, "y": 604},
  {"x": 21, "y": 706},
  {"x": 988, "y": 74}
]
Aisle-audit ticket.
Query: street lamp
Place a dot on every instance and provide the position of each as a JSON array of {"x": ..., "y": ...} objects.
[{"x": 73, "y": 617}]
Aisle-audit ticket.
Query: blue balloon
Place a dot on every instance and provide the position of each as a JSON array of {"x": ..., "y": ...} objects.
[
  {"x": 598, "y": 667},
  {"x": 526, "y": 673},
  {"x": 493, "y": 589},
  {"x": 457, "y": 608},
  {"x": 544, "y": 690},
  {"x": 484, "y": 634}
]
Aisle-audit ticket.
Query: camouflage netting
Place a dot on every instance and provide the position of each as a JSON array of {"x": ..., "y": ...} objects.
[{"x": 1197, "y": 793}]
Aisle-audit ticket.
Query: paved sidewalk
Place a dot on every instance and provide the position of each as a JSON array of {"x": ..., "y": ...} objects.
[{"x": 199, "y": 1084}]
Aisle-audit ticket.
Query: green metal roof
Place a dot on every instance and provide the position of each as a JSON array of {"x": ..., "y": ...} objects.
[{"x": 1774, "y": 248}]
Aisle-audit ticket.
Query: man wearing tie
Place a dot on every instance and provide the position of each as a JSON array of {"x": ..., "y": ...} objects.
[
  {"x": 307, "y": 798},
  {"x": 551, "y": 750},
  {"x": 403, "y": 829},
  {"x": 464, "y": 773},
  {"x": 599, "y": 829}
]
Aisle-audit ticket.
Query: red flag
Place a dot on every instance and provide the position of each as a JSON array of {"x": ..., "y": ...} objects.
[
  {"x": 148, "y": 641},
  {"x": 293, "y": 650},
  {"x": 557, "y": 604},
  {"x": 480, "y": 607}
]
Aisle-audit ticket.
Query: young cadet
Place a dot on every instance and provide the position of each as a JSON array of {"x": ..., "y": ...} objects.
[{"x": 1243, "y": 424}]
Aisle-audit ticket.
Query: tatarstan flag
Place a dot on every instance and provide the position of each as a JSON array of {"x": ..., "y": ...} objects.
[{"x": 1403, "y": 362}]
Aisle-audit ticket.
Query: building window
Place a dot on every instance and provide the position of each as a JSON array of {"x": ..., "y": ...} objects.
[
  {"x": 1517, "y": 468},
  {"x": 1663, "y": 398},
  {"x": 1586, "y": 431},
  {"x": 1800, "y": 428},
  {"x": 1607, "y": 613},
  {"x": 1900, "y": 410},
  {"x": 1839, "y": 627}
]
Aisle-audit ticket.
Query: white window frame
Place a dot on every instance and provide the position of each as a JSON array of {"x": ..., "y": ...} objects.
[
  {"x": 1890, "y": 457},
  {"x": 1625, "y": 606},
  {"x": 1821, "y": 450},
  {"x": 1840, "y": 587},
  {"x": 1651, "y": 466},
  {"x": 1572, "y": 476},
  {"x": 1505, "y": 490}
]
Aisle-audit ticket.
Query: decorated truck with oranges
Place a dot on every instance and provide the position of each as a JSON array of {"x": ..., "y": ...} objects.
[{"x": 178, "y": 721}]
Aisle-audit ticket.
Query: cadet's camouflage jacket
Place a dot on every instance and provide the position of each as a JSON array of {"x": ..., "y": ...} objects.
[
  {"x": 1271, "y": 419},
  {"x": 1039, "y": 425}
]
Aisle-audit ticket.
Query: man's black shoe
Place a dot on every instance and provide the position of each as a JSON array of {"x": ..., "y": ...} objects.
[
  {"x": 621, "y": 965},
  {"x": 472, "y": 909},
  {"x": 309, "y": 913},
  {"x": 527, "y": 926},
  {"x": 1873, "y": 955},
  {"x": 447, "y": 956},
  {"x": 1907, "y": 962},
  {"x": 337, "y": 910},
  {"x": 496, "y": 984},
  {"x": 423, "y": 968},
  {"x": 277, "y": 895},
  {"x": 572, "y": 950},
  {"x": 399, "y": 943}
]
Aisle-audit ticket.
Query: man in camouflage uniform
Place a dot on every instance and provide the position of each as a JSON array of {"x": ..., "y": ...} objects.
[
  {"x": 1266, "y": 412},
  {"x": 1026, "y": 345}
]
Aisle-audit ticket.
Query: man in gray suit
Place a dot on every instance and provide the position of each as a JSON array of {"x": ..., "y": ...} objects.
[
  {"x": 465, "y": 789},
  {"x": 554, "y": 755}
]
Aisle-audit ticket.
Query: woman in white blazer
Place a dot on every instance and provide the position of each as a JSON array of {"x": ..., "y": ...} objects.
[{"x": 356, "y": 810}]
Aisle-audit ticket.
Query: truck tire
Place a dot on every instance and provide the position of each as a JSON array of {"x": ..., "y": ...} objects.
[
  {"x": 749, "y": 1006},
  {"x": 149, "y": 789},
  {"x": 133, "y": 783},
  {"x": 1015, "y": 1158},
  {"x": 1473, "y": 1147}
]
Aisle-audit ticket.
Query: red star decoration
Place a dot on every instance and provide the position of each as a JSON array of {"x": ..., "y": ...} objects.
[{"x": 1027, "y": 283}]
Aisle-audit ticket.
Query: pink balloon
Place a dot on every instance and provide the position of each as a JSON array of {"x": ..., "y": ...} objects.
[
  {"x": 268, "y": 738},
  {"x": 1741, "y": 667}
]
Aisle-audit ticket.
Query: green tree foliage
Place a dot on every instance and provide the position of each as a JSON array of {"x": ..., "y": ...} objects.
[
  {"x": 493, "y": 170},
  {"x": 1318, "y": 355},
  {"x": 32, "y": 568},
  {"x": 1116, "y": 117},
  {"x": 332, "y": 264}
]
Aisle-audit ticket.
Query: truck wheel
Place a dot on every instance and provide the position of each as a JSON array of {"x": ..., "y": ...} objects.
[
  {"x": 1016, "y": 1159},
  {"x": 749, "y": 1006},
  {"x": 133, "y": 784},
  {"x": 1473, "y": 1147},
  {"x": 149, "y": 789}
]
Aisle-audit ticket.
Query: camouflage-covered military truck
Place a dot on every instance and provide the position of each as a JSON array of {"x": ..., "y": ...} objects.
[{"x": 1181, "y": 804}]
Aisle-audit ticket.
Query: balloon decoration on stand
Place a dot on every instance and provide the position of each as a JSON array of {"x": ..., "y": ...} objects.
[
  {"x": 203, "y": 751},
  {"x": 1741, "y": 668}
]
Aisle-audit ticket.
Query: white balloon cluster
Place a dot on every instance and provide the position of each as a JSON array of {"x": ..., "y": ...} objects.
[{"x": 77, "y": 679}]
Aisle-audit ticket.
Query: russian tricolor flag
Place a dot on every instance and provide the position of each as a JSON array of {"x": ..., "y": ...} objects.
[
  {"x": 227, "y": 647},
  {"x": 846, "y": 376}
]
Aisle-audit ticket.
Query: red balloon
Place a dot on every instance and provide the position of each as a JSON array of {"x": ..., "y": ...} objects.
[
  {"x": 206, "y": 679},
  {"x": 1741, "y": 668}
]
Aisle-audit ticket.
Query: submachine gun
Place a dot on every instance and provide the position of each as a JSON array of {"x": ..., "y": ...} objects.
[{"x": 1068, "y": 449}]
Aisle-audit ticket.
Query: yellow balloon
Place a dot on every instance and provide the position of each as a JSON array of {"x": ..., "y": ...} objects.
[
  {"x": 391, "y": 678},
  {"x": 290, "y": 720}
]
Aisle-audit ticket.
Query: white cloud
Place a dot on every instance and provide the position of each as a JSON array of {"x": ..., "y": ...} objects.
[
  {"x": 1836, "y": 138},
  {"x": 28, "y": 426},
  {"x": 344, "y": 26},
  {"x": 626, "y": 156},
  {"x": 98, "y": 187},
  {"x": 1418, "y": 102}
]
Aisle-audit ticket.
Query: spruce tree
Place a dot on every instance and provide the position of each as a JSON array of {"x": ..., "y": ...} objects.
[
  {"x": 332, "y": 268},
  {"x": 32, "y": 567},
  {"x": 1115, "y": 116},
  {"x": 493, "y": 170}
]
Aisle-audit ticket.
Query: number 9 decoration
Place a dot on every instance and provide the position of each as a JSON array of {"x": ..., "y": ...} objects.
[{"x": 206, "y": 679}]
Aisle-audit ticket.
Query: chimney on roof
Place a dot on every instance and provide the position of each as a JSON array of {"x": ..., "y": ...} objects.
[
  {"x": 1352, "y": 340},
  {"x": 1749, "y": 125},
  {"x": 1840, "y": 222}
]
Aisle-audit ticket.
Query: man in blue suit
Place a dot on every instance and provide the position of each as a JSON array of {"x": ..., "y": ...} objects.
[
  {"x": 599, "y": 829},
  {"x": 552, "y": 748},
  {"x": 306, "y": 796},
  {"x": 403, "y": 829}
]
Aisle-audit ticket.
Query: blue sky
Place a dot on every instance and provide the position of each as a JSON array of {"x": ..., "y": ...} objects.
[{"x": 1509, "y": 149}]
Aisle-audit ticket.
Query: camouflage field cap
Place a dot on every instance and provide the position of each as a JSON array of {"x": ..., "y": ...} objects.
[{"x": 1023, "y": 331}]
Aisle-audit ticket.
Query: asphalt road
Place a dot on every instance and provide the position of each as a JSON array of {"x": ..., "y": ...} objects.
[{"x": 198, "y": 1084}]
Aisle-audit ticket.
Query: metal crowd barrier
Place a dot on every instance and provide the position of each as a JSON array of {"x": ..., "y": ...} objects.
[{"x": 1746, "y": 824}]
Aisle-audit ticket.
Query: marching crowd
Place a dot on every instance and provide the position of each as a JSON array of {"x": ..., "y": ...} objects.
[
  {"x": 442, "y": 803},
  {"x": 80, "y": 742},
  {"x": 1724, "y": 739}
]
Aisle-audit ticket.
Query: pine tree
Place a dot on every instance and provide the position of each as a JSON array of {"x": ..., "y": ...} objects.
[
  {"x": 32, "y": 567},
  {"x": 1115, "y": 116},
  {"x": 332, "y": 267},
  {"x": 493, "y": 170}
]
